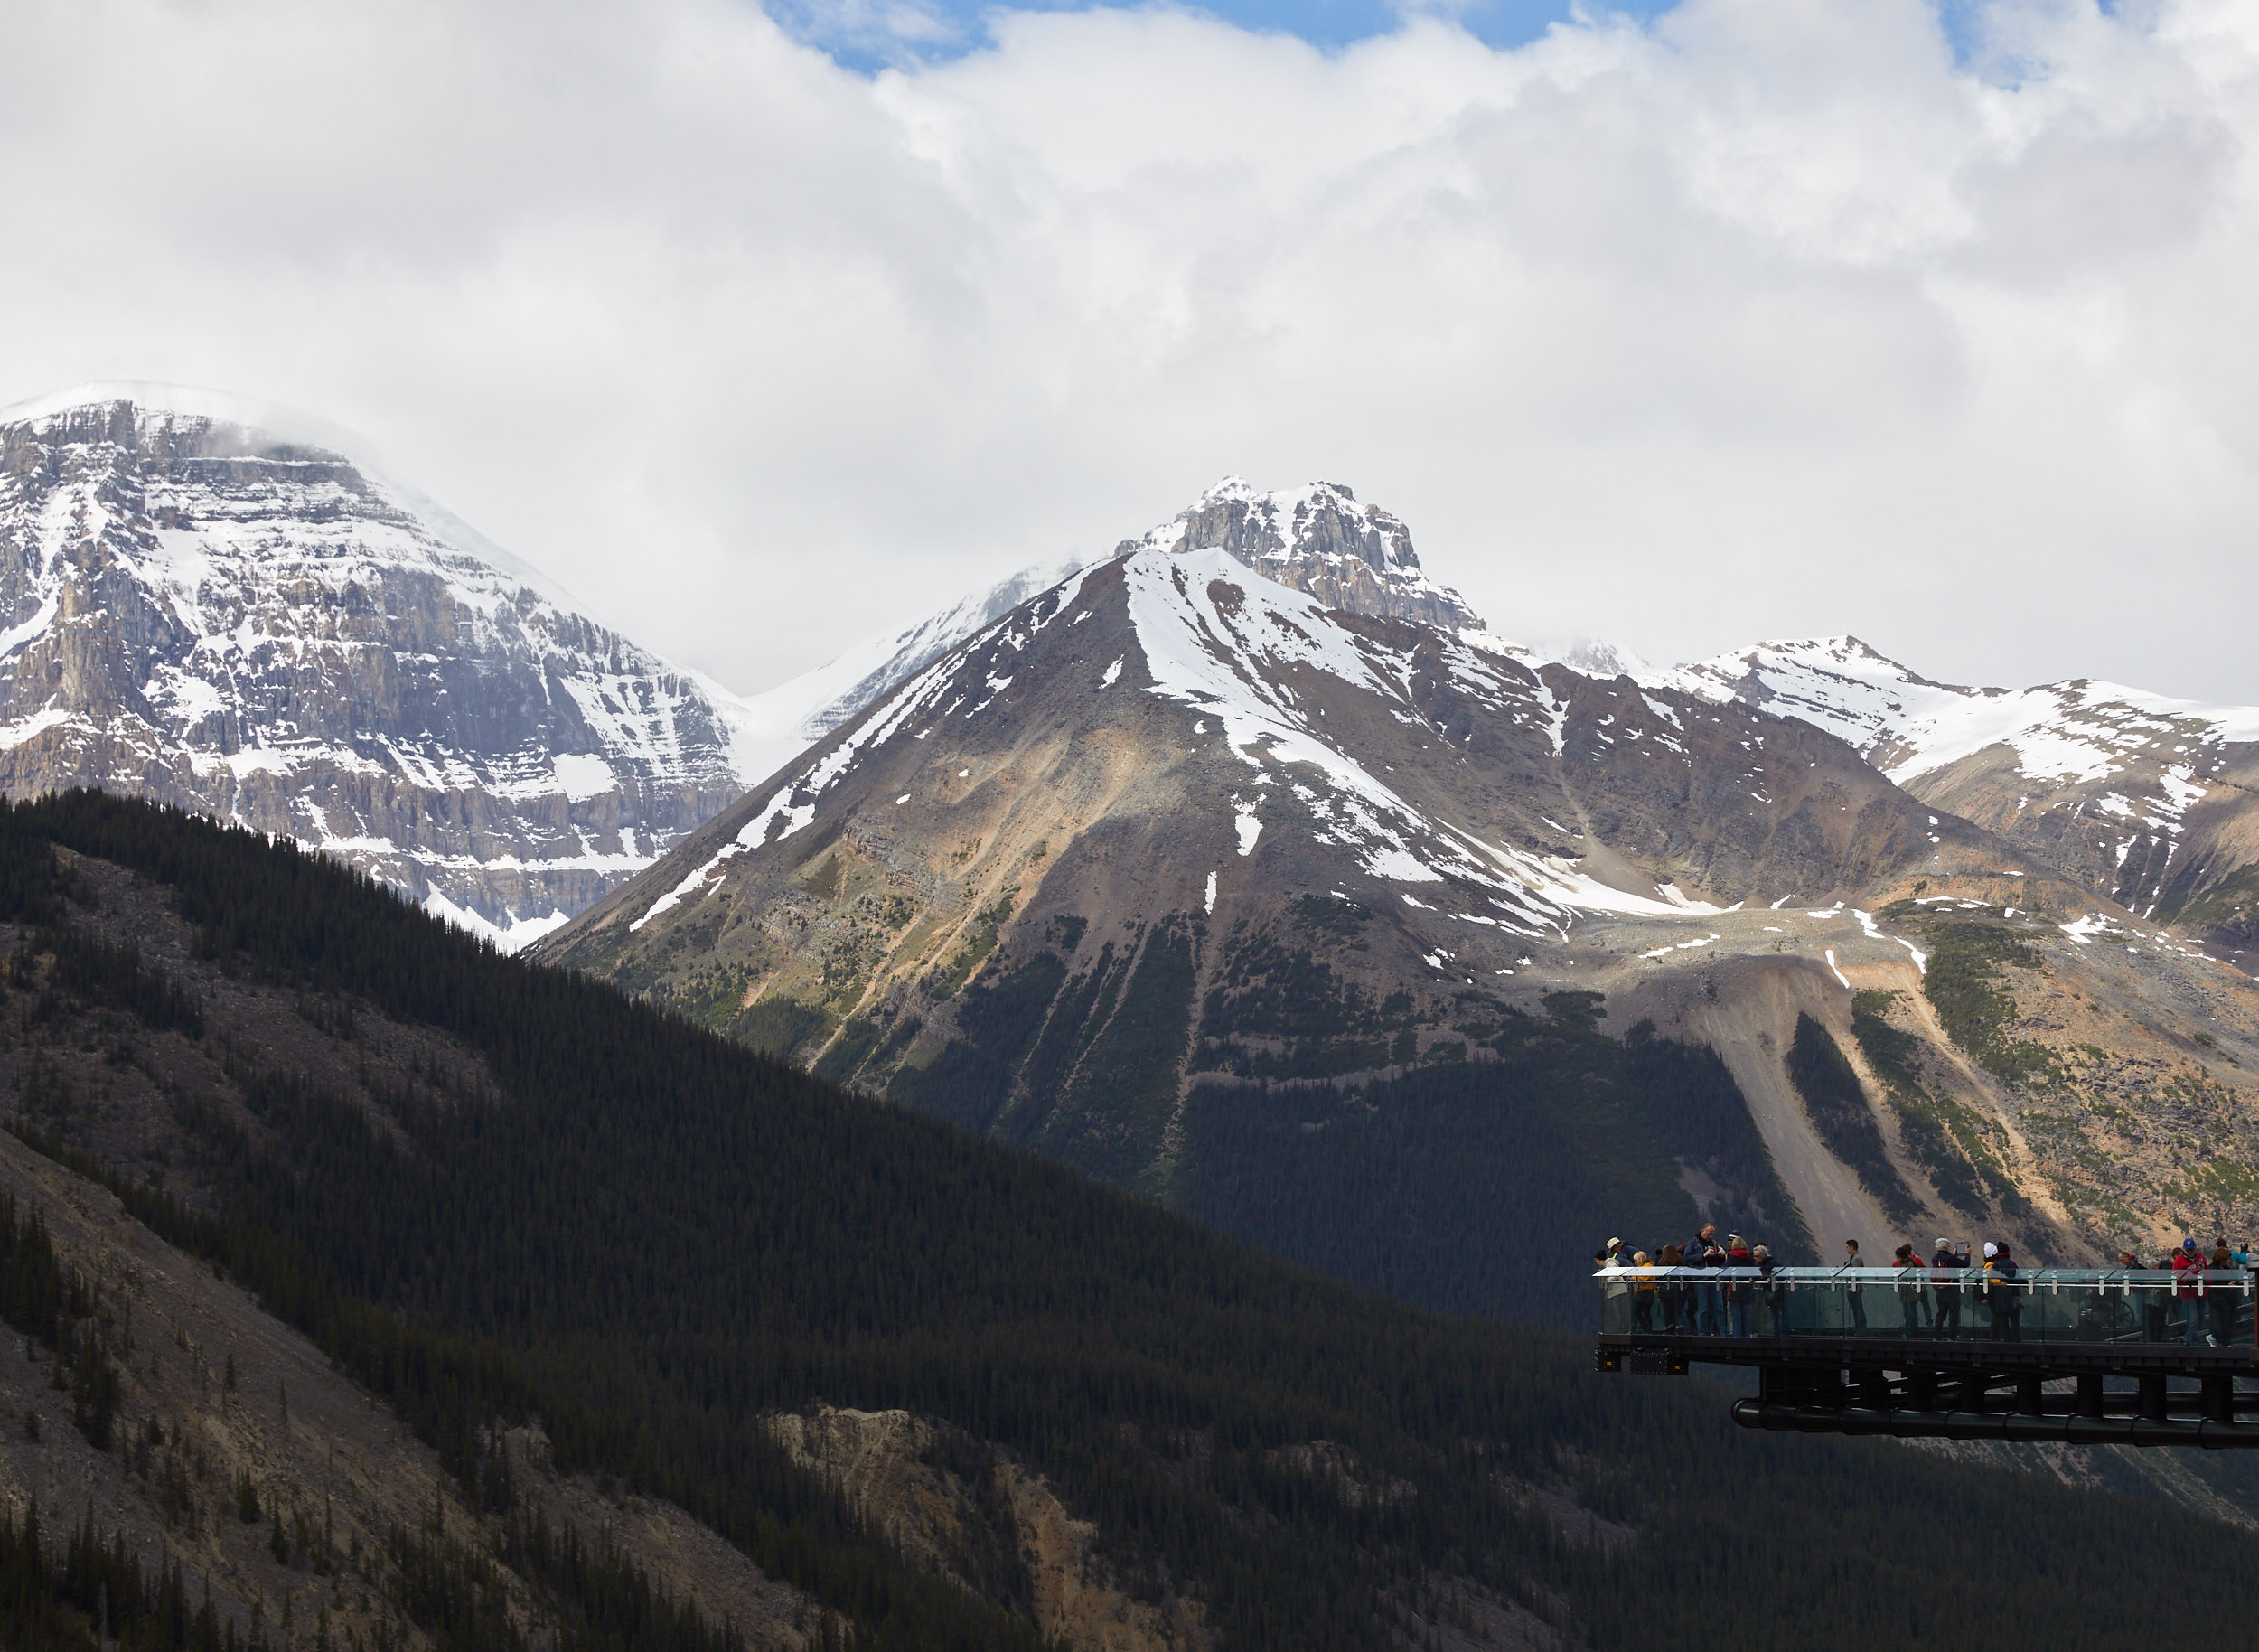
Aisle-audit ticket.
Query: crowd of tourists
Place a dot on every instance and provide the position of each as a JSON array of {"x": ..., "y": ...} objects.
[{"x": 1710, "y": 1287}]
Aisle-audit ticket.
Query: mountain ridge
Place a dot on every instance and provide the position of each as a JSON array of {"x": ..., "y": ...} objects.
[
  {"x": 1293, "y": 844},
  {"x": 2152, "y": 800}
]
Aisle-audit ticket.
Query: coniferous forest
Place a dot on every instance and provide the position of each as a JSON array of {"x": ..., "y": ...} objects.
[{"x": 650, "y": 1239}]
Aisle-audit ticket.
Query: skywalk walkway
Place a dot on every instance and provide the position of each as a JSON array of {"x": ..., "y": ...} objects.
[{"x": 2074, "y": 1355}]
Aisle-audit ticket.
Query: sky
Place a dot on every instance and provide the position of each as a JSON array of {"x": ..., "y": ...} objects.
[{"x": 762, "y": 330}]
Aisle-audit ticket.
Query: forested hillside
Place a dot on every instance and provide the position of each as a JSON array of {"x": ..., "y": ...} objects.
[{"x": 497, "y": 1195}]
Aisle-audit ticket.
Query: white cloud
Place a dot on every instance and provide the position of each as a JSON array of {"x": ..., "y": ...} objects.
[{"x": 1772, "y": 318}]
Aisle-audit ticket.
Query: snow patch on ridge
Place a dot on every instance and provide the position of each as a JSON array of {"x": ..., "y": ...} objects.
[{"x": 2082, "y": 730}]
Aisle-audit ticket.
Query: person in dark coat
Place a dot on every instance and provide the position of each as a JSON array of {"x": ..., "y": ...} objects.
[
  {"x": 2156, "y": 1305},
  {"x": 1741, "y": 1294},
  {"x": 1853, "y": 1263},
  {"x": 2007, "y": 1294},
  {"x": 1945, "y": 1290},
  {"x": 1772, "y": 1292},
  {"x": 1703, "y": 1250}
]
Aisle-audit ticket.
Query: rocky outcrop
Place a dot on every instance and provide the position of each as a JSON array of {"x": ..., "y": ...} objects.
[
  {"x": 1320, "y": 540},
  {"x": 962, "y": 1508}
]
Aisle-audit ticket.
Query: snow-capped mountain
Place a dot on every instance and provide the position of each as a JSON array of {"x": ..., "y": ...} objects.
[
  {"x": 1210, "y": 816},
  {"x": 199, "y": 609},
  {"x": 1204, "y": 771},
  {"x": 2150, "y": 800}
]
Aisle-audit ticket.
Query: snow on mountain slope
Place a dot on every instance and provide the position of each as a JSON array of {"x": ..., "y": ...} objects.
[
  {"x": 240, "y": 619},
  {"x": 1262, "y": 661},
  {"x": 1908, "y": 725},
  {"x": 2145, "y": 797},
  {"x": 775, "y": 727}
]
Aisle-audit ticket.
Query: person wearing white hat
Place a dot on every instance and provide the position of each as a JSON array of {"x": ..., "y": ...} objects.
[{"x": 1618, "y": 1289}]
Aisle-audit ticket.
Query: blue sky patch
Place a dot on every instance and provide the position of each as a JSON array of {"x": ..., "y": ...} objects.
[{"x": 868, "y": 35}]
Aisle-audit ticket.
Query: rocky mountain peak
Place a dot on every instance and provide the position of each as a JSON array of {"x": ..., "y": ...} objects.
[
  {"x": 1318, "y": 539},
  {"x": 218, "y": 606}
]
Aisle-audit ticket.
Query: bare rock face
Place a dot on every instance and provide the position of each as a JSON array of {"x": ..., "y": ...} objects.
[
  {"x": 197, "y": 610},
  {"x": 1316, "y": 540}
]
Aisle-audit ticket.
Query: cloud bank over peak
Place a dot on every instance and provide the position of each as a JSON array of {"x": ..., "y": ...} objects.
[{"x": 1769, "y": 317}]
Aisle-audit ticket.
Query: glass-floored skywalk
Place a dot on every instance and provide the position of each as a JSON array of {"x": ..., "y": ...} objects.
[{"x": 2079, "y": 1356}]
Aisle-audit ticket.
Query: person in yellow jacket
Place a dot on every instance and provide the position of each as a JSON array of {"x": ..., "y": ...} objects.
[{"x": 1643, "y": 1293}]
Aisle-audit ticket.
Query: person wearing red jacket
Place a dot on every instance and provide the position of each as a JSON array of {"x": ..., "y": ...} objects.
[{"x": 2188, "y": 1274}]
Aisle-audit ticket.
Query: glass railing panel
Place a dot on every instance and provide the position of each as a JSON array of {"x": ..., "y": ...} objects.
[{"x": 2049, "y": 1305}]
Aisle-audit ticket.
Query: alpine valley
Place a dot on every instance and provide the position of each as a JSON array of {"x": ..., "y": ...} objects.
[{"x": 1076, "y": 1125}]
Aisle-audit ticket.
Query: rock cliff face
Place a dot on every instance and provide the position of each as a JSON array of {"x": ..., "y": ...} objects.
[{"x": 197, "y": 610}]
